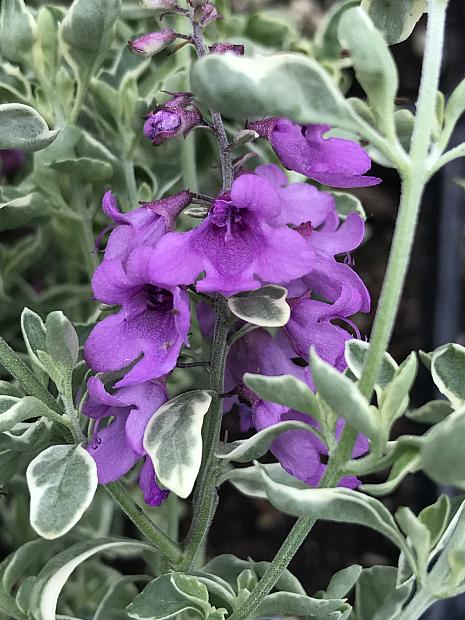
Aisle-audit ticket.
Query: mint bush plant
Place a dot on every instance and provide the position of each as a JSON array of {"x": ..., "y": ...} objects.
[{"x": 216, "y": 276}]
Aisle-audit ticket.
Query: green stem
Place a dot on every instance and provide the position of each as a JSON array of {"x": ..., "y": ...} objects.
[
  {"x": 157, "y": 536},
  {"x": 414, "y": 177},
  {"x": 83, "y": 85},
  {"x": 131, "y": 185},
  {"x": 32, "y": 386},
  {"x": 417, "y": 606},
  {"x": 86, "y": 238},
  {"x": 206, "y": 497}
]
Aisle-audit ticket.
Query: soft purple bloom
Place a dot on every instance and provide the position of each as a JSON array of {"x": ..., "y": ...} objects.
[
  {"x": 175, "y": 117},
  {"x": 299, "y": 452},
  {"x": 154, "y": 319},
  {"x": 11, "y": 161},
  {"x": 300, "y": 202},
  {"x": 331, "y": 161},
  {"x": 153, "y": 42},
  {"x": 235, "y": 245},
  {"x": 142, "y": 226},
  {"x": 117, "y": 447},
  {"x": 222, "y": 48}
]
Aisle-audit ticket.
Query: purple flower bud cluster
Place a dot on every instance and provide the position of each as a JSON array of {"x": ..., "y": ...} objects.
[
  {"x": 175, "y": 117},
  {"x": 153, "y": 42},
  {"x": 263, "y": 230}
]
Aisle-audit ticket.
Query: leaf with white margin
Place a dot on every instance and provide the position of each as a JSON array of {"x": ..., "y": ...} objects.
[
  {"x": 21, "y": 127},
  {"x": 356, "y": 352},
  {"x": 62, "y": 481},
  {"x": 173, "y": 440},
  {"x": 347, "y": 204},
  {"x": 395, "y": 398},
  {"x": 266, "y": 307},
  {"x": 14, "y": 410},
  {"x": 397, "y": 23},
  {"x": 254, "y": 447},
  {"x": 448, "y": 372},
  {"x": 242, "y": 88},
  {"x": 339, "y": 505},
  {"x": 289, "y": 604},
  {"x": 344, "y": 397},
  {"x": 57, "y": 571},
  {"x": 34, "y": 334},
  {"x": 249, "y": 481},
  {"x": 285, "y": 390}
]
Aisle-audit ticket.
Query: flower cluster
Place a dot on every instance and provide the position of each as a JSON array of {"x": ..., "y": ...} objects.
[{"x": 263, "y": 230}]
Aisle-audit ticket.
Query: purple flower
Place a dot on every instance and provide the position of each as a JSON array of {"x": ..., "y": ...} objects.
[
  {"x": 152, "y": 43},
  {"x": 300, "y": 202},
  {"x": 177, "y": 116},
  {"x": 209, "y": 14},
  {"x": 331, "y": 161},
  {"x": 299, "y": 452},
  {"x": 117, "y": 447},
  {"x": 154, "y": 319},
  {"x": 235, "y": 245},
  {"x": 222, "y": 48},
  {"x": 142, "y": 226}
]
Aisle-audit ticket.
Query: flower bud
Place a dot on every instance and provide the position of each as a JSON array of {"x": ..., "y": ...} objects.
[
  {"x": 177, "y": 116},
  {"x": 152, "y": 43},
  {"x": 209, "y": 13},
  {"x": 222, "y": 48},
  {"x": 159, "y": 5}
]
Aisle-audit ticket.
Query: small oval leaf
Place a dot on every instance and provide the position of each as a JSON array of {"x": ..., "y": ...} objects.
[
  {"x": 266, "y": 307},
  {"x": 21, "y": 127}
]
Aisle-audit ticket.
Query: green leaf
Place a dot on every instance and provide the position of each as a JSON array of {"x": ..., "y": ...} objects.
[
  {"x": 246, "y": 450},
  {"x": 417, "y": 532},
  {"x": 17, "y": 30},
  {"x": 220, "y": 593},
  {"x": 343, "y": 397},
  {"x": 173, "y": 440},
  {"x": 347, "y": 204},
  {"x": 394, "y": 400},
  {"x": 455, "y": 107},
  {"x": 61, "y": 340},
  {"x": 285, "y": 390},
  {"x": 436, "y": 518},
  {"x": 339, "y": 505},
  {"x": 56, "y": 572},
  {"x": 120, "y": 594},
  {"x": 343, "y": 581},
  {"x": 395, "y": 18},
  {"x": 326, "y": 41},
  {"x": 374, "y": 66},
  {"x": 14, "y": 410},
  {"x": 23, "y": 211},
  {"x": 249, "y": 481},
  {"x": 34, "y": 336},
  {"x": 442, "y": 454},
  {"x": 85, "y": 168},
  {"x": 448, "y": 372},
  {"x": 407, "y": 461},
  {"x": 267, "y": 30},
  {"x": 356, "y": 352},
  {"x": 404, "y": 121},
  {"x": 298, "y": 605},
  {"x": 21, "y": 127},
  {"x": 87, "y": 30},
  {"x": 266, "y": 306},
  {"x": 431, "y": 413},
  {"x": 169, "y": 595},
  {"x": 62, "y": 482},
  {"x": 377, "y": 594},
  {"x": 242, "y": 88}
]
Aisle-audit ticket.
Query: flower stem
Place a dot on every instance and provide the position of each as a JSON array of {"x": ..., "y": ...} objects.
[
  {"x": 206, "y": 497},
  {"x": 414, "y": 177},
  {"x": 157, "y": 536}
]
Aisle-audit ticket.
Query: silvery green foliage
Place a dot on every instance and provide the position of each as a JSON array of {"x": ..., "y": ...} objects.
[{"x": 73, "y": 100}]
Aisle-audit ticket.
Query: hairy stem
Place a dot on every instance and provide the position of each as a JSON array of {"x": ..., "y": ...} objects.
[
  {"x": 206, "y": 498},
  {"x": 157, "y": 536},
  {"x": 414, "y": 177}
]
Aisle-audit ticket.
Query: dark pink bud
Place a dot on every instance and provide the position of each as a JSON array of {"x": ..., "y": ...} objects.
[
  {"x": 11, "y": 161},
  {"x": 209, "y": 13},
  {"x": 264, "y": 128},
  {"x": 168, "y": 122},
  {"x": 152, "y": 43},
  {"x": 222, "y": 48}
]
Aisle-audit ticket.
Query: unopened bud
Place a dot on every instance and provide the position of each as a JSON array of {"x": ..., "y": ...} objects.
[
  {"x": 222, "y": 48},
  {"x": 168, "y": 122},
  {"x": 152, "y": 43},
  {"x": 208, "y": 14}
]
